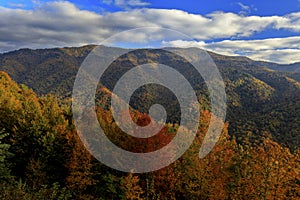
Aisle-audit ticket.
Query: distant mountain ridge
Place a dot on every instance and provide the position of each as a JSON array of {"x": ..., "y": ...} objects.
[
  {"x": 295, "y": 67},
  {"x": 30, "y": 67},
  {"x": 45, "y": 70},
  {"x": 263, "y": 97}
]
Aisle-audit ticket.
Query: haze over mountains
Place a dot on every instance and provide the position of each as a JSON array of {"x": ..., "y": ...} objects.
[{"x": 263, "y": 98}]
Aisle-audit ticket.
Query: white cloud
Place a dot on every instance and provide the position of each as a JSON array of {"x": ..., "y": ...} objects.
[
  {"x": 16, "y": 5},
  {"x": 245, "y": 9},
  {"x": 290, "y": 22},
  {"x": 126, "y": 3},
  {"x": 36, "y": 2},
  {"x": 63, "y": 24},
  {"x": 282, "y": 56},
  {"x": 107, "y": 2},
  {"x": 280, "y": 50},
  {"x": 131, "y": 3}
]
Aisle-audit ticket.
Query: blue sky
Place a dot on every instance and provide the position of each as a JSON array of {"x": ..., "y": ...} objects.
[
  {"x": 262, "y": 30},
  {"x": 258, "y": 7}
]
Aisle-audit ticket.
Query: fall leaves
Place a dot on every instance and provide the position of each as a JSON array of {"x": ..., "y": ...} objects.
[{"x": 42, "y": 157}]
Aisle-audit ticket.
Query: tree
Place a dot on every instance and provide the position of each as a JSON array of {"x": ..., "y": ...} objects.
[
  {"x": 79, "y": 165},
  {"x": 264, "y": 170},
  {"x": 130, "y": 184},
  {"x": 4, "y": 155}
]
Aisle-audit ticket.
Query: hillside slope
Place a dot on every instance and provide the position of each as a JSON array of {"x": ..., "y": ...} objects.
[{"x": 261, "y": 101}]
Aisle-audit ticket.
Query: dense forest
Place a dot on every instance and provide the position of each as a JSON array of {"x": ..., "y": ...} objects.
[{"x": 42, "y": 157}]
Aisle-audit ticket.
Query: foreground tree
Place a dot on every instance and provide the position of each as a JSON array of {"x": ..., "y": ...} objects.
[{"x": 4, "y": 155}]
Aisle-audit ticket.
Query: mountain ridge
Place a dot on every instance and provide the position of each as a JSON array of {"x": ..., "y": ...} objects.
[{"x": 259, "y": 97}]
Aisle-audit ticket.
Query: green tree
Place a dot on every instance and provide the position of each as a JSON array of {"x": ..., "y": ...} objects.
[{"x": 4, "y": 155}]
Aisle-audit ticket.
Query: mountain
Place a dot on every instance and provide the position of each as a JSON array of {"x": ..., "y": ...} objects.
[
  {"x": 45, "y": 71},
  {"x": 295, "y": 67},
  {"x": 43, "y": 157},
  {"x": 263, "y": 98}
]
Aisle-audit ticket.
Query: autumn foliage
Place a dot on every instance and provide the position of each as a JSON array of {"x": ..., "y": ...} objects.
[{"x": 42, "y": 157}]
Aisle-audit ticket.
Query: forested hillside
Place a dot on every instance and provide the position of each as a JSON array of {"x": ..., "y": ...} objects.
[
  {"x": 41, "y": 157},
  {"x": 261, "y": 101}
]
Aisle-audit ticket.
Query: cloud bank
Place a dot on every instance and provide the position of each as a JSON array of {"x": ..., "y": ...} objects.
[
  {"x": 63, "y": 24},
  {"x": 279, "y": 50}
]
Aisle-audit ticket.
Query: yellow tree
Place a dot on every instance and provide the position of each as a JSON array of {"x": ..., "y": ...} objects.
[
  {"x": 130, "y": 184},
  {"x": 79, "y": 165}
]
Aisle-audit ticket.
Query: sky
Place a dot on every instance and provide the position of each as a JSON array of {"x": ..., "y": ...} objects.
[{"x": 259, "y": 29}]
